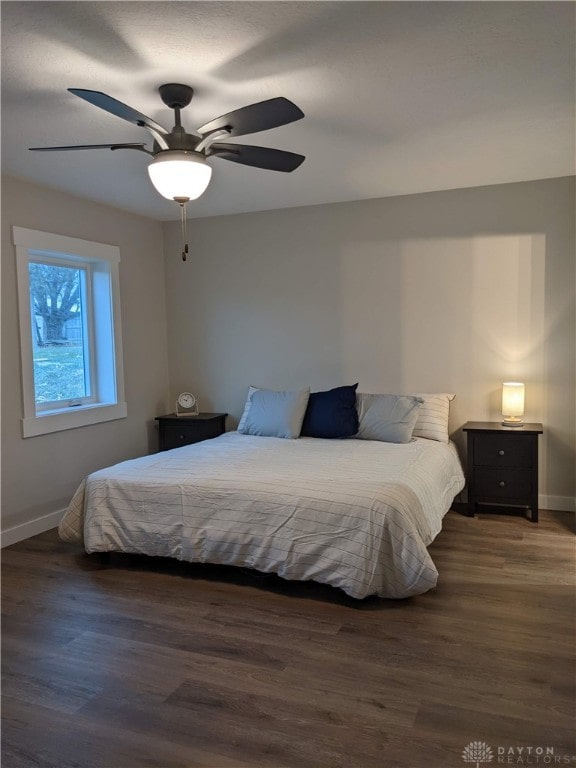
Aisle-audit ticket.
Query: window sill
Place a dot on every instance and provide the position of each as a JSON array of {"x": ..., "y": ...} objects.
[{"x": 80, "y": 416}]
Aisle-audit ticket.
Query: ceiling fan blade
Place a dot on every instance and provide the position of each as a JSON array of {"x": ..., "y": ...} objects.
[
  {"x": 117, "y": 108},
  {"x": 255, "y": 117},
  {"x": 258, "y": 157},
  {"x": 91, "y": 146}
]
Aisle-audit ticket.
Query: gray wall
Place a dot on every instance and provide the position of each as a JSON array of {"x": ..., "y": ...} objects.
[
  {"x": 447, "y": 291},
  {"x": 39, "y": 474}
]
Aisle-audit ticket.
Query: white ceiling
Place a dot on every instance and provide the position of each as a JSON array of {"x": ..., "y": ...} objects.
[{"x": 399, "y": 97}]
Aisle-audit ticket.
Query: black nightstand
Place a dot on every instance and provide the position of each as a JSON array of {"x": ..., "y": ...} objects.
[
  {"x": 175, "y": 431},
  {"x": 503, "y": 465}
]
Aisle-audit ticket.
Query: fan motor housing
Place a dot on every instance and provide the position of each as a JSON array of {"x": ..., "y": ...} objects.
[{"x": 178, "y": 139}]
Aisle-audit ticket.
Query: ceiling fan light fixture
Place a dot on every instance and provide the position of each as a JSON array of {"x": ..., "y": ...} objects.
[{"x": 180, "y": 174}]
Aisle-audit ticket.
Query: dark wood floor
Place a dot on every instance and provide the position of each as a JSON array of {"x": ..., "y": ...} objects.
[{"x": 146, "y": 663}]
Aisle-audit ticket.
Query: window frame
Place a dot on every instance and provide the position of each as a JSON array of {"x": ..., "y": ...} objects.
[{"x": 105, "y": 340}]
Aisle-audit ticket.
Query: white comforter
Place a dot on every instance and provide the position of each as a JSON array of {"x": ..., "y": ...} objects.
[{"x": 356, "y": 514}]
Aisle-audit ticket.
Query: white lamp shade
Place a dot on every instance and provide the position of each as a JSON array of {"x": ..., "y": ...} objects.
[
  {"x": 180, "y": 174},
  {"x": 513, "y": 400}
]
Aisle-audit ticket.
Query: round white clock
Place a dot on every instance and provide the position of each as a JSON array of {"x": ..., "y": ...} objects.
[{"x": 187, "y": 401}]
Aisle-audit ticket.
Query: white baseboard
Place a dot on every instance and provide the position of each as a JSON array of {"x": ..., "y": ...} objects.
[
  {"x": 559, "y": 503},
  {"x": 25, "y": 530}
]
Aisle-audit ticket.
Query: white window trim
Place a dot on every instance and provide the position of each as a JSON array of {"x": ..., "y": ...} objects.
[{"x": 50, "y": 245}]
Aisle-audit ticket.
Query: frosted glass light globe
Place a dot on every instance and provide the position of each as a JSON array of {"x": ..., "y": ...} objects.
[{"x": 179, "y": 174}]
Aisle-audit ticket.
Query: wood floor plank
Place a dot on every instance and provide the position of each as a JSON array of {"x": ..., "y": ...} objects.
[
  {"x": 34, "y": 737},
  {"x": 125, "y": 661}
]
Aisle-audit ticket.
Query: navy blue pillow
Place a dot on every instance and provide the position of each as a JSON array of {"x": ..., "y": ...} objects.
[{"x": 331, "y": 414}]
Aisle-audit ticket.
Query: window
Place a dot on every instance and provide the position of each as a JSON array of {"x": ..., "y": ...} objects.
[
  {"x": 68, "y": 292},
  {"x": 61, "y": 325}
]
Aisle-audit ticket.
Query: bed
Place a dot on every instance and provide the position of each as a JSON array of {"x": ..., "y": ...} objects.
[{"x": 355, "y": 514}]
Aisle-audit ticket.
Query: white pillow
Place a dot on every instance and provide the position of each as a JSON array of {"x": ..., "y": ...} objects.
[
  {"x": 388, "y": 418},
  {"x": 276, "y": 414},
  {"x": 432, "y": 421},
  {"x": 244, "y": 416}
]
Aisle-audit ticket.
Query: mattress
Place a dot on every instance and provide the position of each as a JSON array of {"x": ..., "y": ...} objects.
[{"x": 355, "y": 514}]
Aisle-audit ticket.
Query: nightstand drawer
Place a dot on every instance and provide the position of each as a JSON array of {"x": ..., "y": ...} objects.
[
  {"x": 502, "y": 451},
  {"x": 176, "y": 431},
  {"x": 500, "y": 486},
  {"x": 176, "y": 436}
]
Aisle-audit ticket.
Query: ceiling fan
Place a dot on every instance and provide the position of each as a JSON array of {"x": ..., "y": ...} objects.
[{"x": 179, "y": 170}]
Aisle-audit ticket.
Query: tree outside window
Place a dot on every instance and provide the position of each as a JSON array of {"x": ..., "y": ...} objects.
[{"x": 60, "y": 358}]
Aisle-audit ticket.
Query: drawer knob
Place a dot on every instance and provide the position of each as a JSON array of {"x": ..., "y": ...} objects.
[
  {"x": 182, "y": 437},
  {"x": 501, "y": 483},
  {"x": 501, "y": 452}
]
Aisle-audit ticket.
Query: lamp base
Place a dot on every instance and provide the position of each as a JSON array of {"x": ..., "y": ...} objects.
[{"x": 512, "y": 421}]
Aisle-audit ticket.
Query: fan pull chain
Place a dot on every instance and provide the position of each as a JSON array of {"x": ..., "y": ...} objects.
[
  {"x": 182, "y": 202},
  {"x": 184, "y": 233}
]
